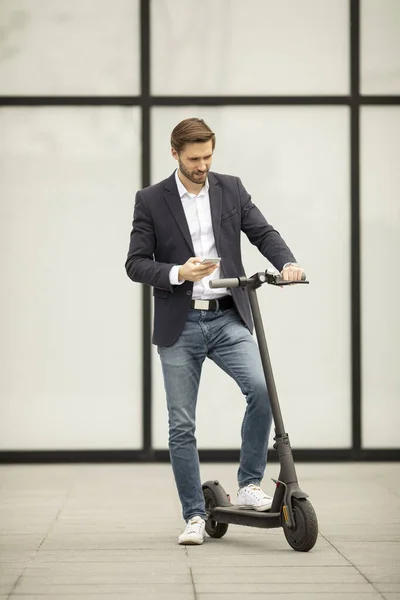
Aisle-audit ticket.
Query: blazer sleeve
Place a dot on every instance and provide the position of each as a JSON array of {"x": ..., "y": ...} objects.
[
  {"x": 140, "y": 264},
  {"x": 261, "y": 233}
]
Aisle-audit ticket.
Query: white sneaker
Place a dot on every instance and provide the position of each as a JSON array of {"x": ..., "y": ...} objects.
[
  {"x": 194, "y": 533},
  {"x": 253, "y": 497}
]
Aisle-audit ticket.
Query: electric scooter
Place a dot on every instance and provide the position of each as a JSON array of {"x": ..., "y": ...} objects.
[{"x": 290, "y": 508}]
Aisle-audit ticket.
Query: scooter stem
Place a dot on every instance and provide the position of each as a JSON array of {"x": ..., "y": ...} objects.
[
  {"x": 282, "y": 443},
  {"x": 266, "y": 362}
]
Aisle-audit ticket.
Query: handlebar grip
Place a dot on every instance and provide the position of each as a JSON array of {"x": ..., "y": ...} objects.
[
  {"x": 275, "y": 278},
  {"x": 225, "y": 283}
]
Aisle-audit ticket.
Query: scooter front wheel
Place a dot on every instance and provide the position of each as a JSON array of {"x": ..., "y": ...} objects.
[
  {"x": 305, "y": 532},
  {"x": 213, "y": 528}
]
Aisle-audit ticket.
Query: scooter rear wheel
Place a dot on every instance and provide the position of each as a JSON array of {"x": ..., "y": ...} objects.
[
  {"x": 213, "y": 528},
  {"x": 304, "y": 536}
]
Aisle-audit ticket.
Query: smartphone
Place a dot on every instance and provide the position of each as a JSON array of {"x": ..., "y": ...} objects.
[{"x": 210, "y": 261}]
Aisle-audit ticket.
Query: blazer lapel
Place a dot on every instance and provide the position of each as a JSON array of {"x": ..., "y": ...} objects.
[
  {"x": 174, "y": 202},
  {"x": 215, "y": 193}
]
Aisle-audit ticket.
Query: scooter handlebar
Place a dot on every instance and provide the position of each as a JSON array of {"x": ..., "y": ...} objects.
[{"x": 271, "y": 278}]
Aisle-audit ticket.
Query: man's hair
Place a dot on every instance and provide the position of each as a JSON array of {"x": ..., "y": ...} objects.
[{"x": 191, "y": 131}]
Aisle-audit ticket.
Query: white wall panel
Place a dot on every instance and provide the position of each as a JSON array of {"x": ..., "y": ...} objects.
[
  {"x": 53, "y": 47},
  {"x": 380, "y": 47},
  {"x": 70, "y": 351},
  {"x": 295, "y": 163},
  {"x": 257, "y": 47},
  {"x": 380, "y": 237}
]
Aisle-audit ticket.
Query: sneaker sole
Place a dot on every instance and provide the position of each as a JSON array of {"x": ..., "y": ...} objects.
[{"x": 191, "y": 542}]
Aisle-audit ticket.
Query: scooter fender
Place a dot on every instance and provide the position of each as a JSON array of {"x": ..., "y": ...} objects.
[{"x": 221, "y": 497}]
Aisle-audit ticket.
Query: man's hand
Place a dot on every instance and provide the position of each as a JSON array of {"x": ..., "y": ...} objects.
[
  {"x": 292, "y": 272},
  {"x": 193, "y": 271}
]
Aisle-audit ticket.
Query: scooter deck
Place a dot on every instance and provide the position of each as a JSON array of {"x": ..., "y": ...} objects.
[{"x": 242, "y": 516}]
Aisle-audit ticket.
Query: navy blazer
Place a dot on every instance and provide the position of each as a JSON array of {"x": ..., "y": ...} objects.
[{"x": 160, "y": 239}]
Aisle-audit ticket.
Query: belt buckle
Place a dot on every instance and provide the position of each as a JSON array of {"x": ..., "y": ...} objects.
[{"x": 201, "y": 305}]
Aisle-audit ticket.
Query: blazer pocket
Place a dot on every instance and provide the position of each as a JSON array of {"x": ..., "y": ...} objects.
[
  {"x": 160, "y": 293},
  {"x": 229, "y": 214}
]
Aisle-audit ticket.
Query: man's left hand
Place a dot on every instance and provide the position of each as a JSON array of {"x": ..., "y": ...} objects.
[{"x": 292, "y": 272}]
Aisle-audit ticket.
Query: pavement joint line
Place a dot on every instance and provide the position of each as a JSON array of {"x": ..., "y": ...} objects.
[
  {"x": 31, "y": 560},
  {"x": 191, "y": 573},
  {"x": 350, "y": 595},
  {"x": 393, "y": 492},
  {"x": 158, "y": 583},
  {"x": 355, "y": 566}
]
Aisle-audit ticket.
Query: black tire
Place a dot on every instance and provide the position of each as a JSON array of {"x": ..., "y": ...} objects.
[
  {"x": 304, "y": 536},
  {"x": 213, "y": 528}
]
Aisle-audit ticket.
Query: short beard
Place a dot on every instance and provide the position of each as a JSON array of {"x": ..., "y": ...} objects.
[{"x": 187, "y": 174}]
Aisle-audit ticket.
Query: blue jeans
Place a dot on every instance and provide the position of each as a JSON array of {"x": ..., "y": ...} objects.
[{"x": 222, "y": 337}]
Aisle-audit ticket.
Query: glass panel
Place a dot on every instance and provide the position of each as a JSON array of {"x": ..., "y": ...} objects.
[
  {"x": 57, "y": 48},
  {"x": 258, "y": 47},
  {"x": 380, "y": 47},
  {"x": 70, "y": 362},
  {"x": 380, "y": 237},
  {"x": 295, "y": 163}
]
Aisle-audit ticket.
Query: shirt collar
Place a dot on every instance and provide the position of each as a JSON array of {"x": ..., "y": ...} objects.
[{"x": 182, "y": 190}]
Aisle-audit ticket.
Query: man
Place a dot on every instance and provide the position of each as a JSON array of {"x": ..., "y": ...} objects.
[{"x": 194, "y": 214}]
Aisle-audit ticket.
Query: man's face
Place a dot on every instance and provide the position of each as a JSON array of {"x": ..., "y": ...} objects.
[{"x": 195, "y": 161}]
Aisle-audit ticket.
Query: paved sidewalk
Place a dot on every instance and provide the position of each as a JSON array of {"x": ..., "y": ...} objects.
[{"x": 109, "y": 532}]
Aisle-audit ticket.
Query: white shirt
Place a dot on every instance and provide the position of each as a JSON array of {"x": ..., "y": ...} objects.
[{"x": 198, "y": 216}]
